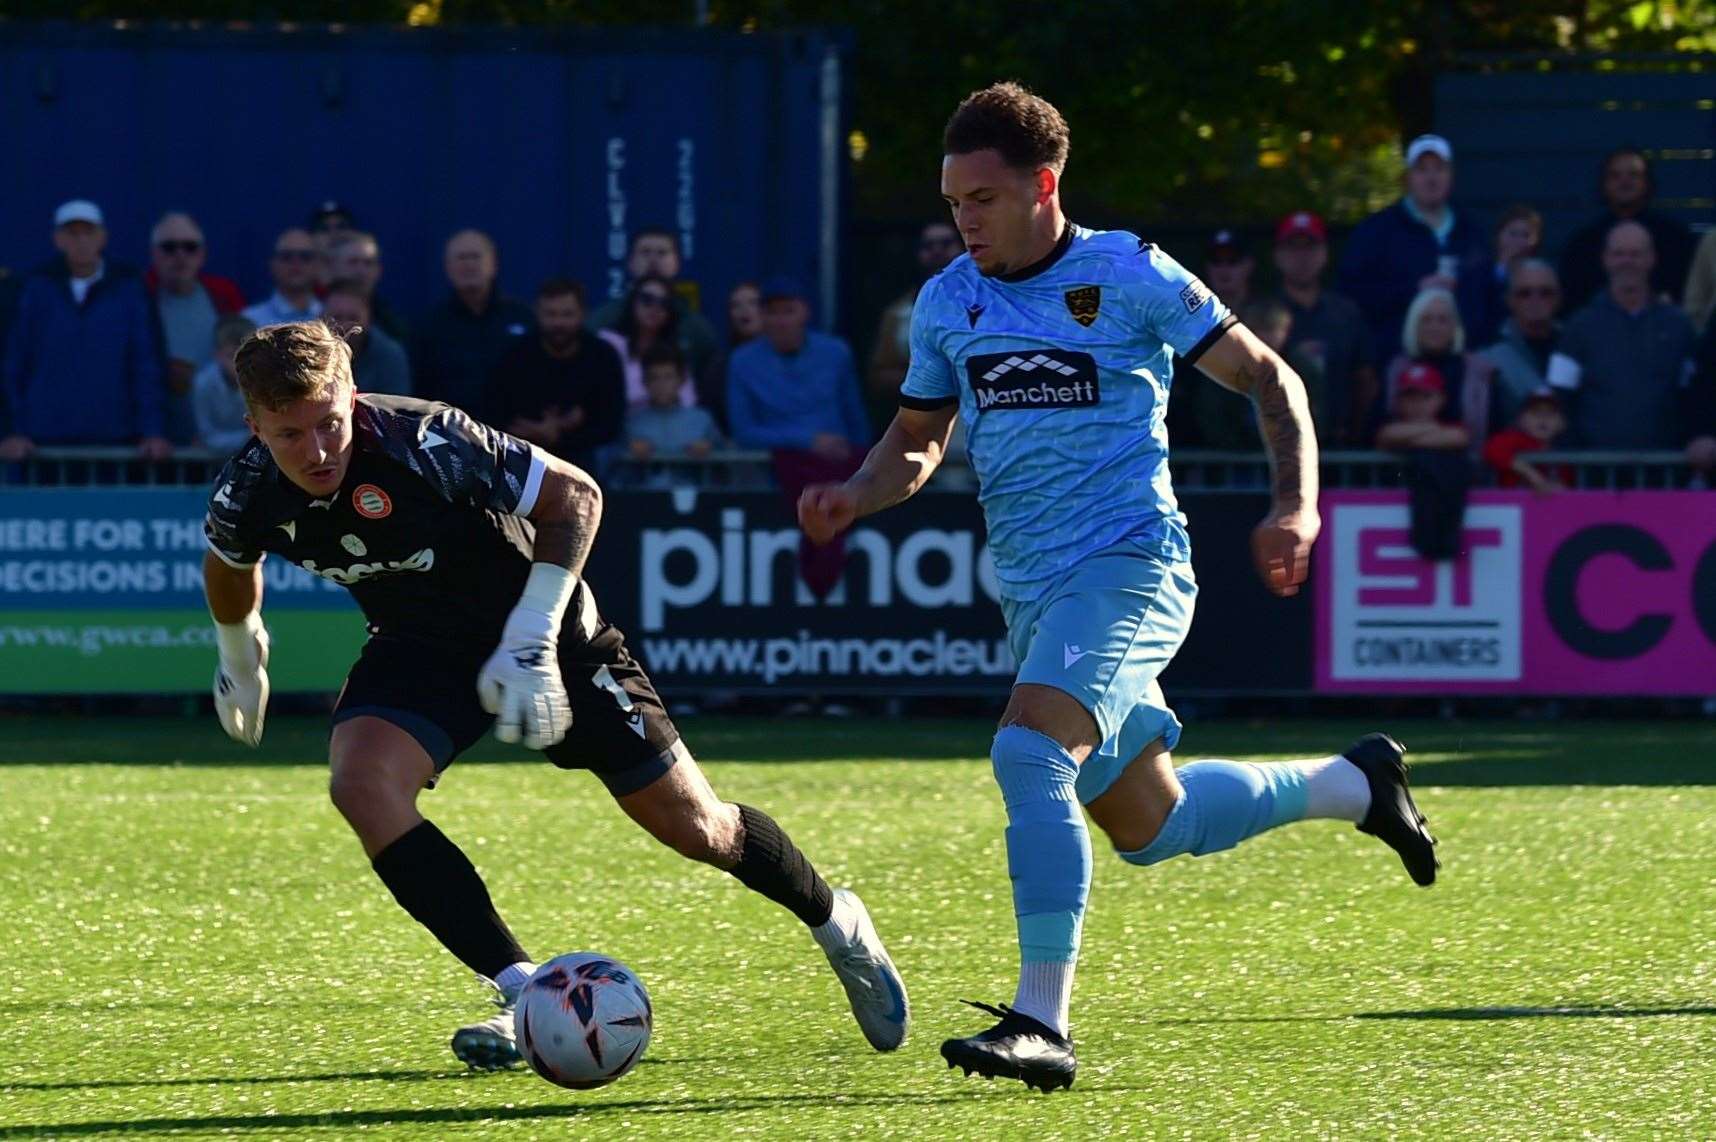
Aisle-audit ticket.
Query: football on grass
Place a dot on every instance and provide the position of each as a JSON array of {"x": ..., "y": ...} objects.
[{"x": 583, "y": 1020}]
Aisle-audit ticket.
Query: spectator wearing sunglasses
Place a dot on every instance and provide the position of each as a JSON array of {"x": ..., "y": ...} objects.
[
  {"x": 1528, "y": 337},
  {"x": 294, "y": 268},
  {"x": 655, "y": 252},
  {"x": 938, "y": 245},
  {"x": 649, "y": 320},
  {"x": 188, "y": 303}
]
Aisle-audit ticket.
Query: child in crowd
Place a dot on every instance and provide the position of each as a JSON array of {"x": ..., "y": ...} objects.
[
  {"x": 1419, "y": 396},
  {"x": 1539, "y": 422},
  {"x": 665, "y": 426},
  {"x": 215, "y": 399}
]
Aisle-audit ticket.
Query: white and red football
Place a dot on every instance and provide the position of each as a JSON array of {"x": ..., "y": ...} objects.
[{"x": 583, "y": 1020}]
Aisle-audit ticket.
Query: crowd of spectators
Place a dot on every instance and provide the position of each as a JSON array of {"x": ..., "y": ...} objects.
[
  {"x": 1438, "y": 334},
  {"x": 1434, "y": 333}
]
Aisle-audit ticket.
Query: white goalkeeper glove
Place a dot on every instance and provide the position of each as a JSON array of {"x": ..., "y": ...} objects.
[
  {"x": 520, "y": 683},
  {"x": 241, "y": 681}
]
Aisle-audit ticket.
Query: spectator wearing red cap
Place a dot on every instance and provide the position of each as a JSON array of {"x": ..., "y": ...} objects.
[
  {"x": 1421, "y": 241},
  {"x": 1327, "y": 333},
  {"x": 1420, "y": 395},
  {"x": 1534, "y": 429},
  {"x": 1432, "y": 334}
]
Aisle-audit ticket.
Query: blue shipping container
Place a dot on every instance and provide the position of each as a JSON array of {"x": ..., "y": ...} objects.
[{"x": 558, "y": 142}]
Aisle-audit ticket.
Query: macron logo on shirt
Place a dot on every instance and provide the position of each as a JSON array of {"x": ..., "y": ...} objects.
[{"x": 1033, "y": 379}]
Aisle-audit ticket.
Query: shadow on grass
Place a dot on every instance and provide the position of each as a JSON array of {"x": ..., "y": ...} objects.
[
  {"x": 1478, "y": 1014},
  {"x": 255, "y": 1080},
  {"x": 1477, "y": 753},
  {"x": 303, "y": 740},
  {"x": 503, "y": 1113},
  {"x": 1458, "y": 1014},
  {"x": 289, "y": 1080}
]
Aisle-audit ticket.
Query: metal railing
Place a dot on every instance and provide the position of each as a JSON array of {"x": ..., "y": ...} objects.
[
  {"x": 94, "y": 467},
  {"x": 744, "y": 470}
]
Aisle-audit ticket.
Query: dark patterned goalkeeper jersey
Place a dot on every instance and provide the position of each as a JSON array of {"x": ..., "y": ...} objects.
[{"x": 426, "y": 529}]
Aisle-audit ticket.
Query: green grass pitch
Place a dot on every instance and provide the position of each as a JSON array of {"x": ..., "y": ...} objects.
[{"x": 192, "y": 945}]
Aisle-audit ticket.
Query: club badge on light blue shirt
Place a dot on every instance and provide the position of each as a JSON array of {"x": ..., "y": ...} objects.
[{"x": 1061, "y": 373}]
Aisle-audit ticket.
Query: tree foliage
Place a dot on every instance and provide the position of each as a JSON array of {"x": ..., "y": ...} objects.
[{"x": 1197, "y": 112}]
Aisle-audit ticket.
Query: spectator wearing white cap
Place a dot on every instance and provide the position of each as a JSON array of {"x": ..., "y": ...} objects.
[
  {"x": 1626, "y": 187},
  {"x": 1422, "y": 241},
  {"x": 82, "y": 363}
]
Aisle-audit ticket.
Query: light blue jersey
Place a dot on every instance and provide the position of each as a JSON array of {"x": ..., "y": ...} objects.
[{"x": 1061, "y": 372}]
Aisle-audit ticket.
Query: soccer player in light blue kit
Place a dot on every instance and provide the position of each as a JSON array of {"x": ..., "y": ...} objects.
[{"x": 1054, "y": 345}]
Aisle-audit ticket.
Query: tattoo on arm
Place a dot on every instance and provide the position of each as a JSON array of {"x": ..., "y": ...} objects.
[
  {"x": 1285, "y": 418},
  {"x": 564, "y": 537}
]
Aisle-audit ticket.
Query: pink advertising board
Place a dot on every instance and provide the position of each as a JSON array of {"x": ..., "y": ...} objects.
[{"x": 1574, "y": 593}]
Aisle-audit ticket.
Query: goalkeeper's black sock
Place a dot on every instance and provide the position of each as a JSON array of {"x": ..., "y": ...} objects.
[
  {"x": 435, "y": 882},
  {"x": 771, "y": 864}
]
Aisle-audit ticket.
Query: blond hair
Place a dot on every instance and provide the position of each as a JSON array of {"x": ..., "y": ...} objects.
[
  {"x": 299, "y": 360},
  {"x": 1425, "y": 299}
]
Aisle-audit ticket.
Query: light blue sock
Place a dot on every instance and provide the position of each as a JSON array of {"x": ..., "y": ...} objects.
[
  {"x": 1224, "y": 803},
  {"x": 1048, "y": 859}
]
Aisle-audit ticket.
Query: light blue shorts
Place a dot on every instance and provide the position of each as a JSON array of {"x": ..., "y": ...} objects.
[{"x": 1103, "y": 633}]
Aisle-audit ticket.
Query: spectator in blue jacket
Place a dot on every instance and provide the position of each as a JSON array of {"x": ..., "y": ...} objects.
[
  {"x": 795, "y": 388},
  {"x": 1421, "y": 242},
  {"x": 795, "y": 391},
  {"x": 83, "y": 363}
]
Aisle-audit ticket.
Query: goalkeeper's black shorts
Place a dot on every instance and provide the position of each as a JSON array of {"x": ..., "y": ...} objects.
[{"x": 620, "y": 729}]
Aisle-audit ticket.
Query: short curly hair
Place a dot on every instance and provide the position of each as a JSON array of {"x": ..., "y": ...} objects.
[{"x": 1006, "y": 117}]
